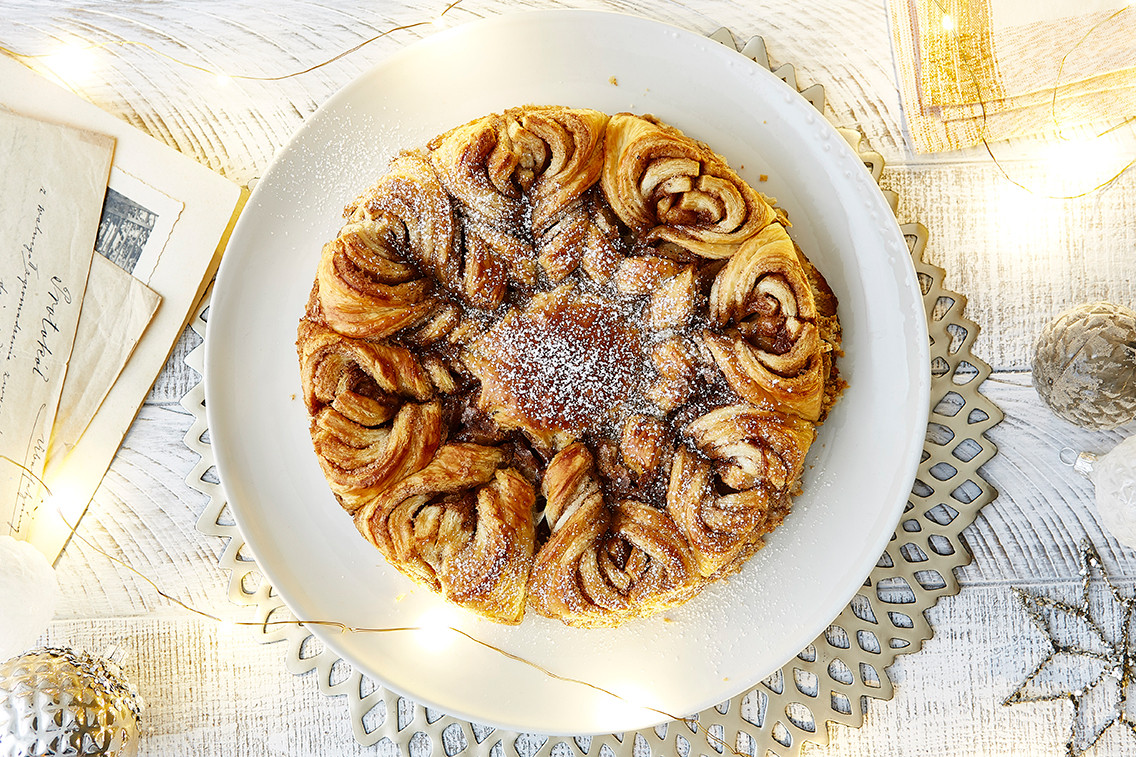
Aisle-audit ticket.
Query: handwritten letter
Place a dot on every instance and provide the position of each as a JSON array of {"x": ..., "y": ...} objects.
[{"x": 52, "y": 182}]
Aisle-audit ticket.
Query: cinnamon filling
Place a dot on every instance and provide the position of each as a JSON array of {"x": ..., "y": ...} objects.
[{"x": 570, "y": 362}]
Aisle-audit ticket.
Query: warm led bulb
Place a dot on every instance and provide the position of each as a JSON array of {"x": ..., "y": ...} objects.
[
  {"x": 74, "y": 62},
  {"x": 434, "y": 628},
  {"x": 629, "y": 698},
  {"x": 52, "y": 504},
  {"x": 1081, "y": 164},
  {"x": 949, "y": 23},
  {"x": 65, "y": 502},
  {"x": 223, "y": 79}
]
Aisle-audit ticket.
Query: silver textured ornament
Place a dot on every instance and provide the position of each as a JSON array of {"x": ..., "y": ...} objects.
[
  {"x": 1084, "y": 365},
  {"x": 65, "y": 703}
]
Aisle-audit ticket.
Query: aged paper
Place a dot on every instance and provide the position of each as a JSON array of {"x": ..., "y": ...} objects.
[
  {"x": 117, "y": 308},
  {"x": 182, "y": 268},
  {"x": 136, "y": 223},
  {"x": 53, "y": 179}
]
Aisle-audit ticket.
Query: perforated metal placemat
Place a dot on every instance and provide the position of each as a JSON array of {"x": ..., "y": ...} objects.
[{"x": 831, "y": 680}]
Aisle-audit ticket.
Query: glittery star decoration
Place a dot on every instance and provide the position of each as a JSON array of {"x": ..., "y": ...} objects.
[{"x": 1091, "y": 661}]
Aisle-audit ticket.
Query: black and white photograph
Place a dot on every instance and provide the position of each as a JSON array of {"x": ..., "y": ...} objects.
[
  {"x": 135, "y": 224},
  {"x": 124, "y": 229}
]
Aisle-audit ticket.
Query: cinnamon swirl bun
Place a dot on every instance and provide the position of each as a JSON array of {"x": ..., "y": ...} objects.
[{"x": 568, "y": 362}]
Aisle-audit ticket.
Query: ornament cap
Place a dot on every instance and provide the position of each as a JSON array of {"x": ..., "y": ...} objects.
[{"x": 1082, "y": 462}]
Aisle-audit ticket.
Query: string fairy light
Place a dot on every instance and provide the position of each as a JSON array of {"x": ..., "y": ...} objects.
[
  {"x": 1071, "y": 156},
  {"x": 430, "y": 629},
  {"x": 73, "y": 60},
  {"x": 76, "y": 57}
]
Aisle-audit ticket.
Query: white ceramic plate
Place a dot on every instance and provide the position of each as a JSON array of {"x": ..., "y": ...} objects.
[{"x": 737, "y": 632}]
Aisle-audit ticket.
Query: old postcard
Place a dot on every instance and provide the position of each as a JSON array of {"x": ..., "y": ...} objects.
[
  {"x": 53, "y": 179},
  {"x": 136, "y": 223},
  {"x": 185, "y": 212},
  {"x": 117, "y": 309}
]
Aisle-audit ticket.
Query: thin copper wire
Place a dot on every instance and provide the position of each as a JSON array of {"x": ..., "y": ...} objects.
[
  {"x": 691, "y": 722},
  {"x": 1053, "y": 113},
  {"x": 243, "y": 77}
]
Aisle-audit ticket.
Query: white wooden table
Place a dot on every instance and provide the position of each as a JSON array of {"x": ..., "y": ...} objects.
[{"x": 1019, "y": 258}]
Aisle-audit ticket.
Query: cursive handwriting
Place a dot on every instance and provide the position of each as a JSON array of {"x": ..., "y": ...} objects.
[
  {"x": 3, "y": 391},
  {"x": 27, "y": 253},
  {"x": 58, "y": 294},
  {"x": 28, "y": 489},
  {"x": 19, "y": 309},
  {"x": 29, "y": 246}
]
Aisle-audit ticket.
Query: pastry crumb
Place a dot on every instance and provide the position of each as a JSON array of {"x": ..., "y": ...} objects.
[{"x": 613, "y": 81}]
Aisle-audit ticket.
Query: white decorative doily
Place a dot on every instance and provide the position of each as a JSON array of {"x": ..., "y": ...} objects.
[{"x": 831, "y": 680}]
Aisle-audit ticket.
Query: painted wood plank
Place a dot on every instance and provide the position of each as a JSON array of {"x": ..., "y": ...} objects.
[{"x": 230, "y": 695}]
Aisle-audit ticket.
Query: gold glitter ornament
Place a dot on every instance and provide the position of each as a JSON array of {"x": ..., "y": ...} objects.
[
  {"x": 1084, "y": 365},
  {"x": 65, "y": 703}
]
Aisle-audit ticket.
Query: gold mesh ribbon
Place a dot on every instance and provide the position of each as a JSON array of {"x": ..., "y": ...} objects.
[{"x": 975, "y": 70}]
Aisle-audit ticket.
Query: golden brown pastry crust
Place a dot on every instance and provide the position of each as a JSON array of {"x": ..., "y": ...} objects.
[{"x": 566, "y": 361}]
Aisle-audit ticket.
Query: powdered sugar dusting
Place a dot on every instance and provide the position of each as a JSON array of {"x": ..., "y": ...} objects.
[{"x": 570, "y": 361}]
